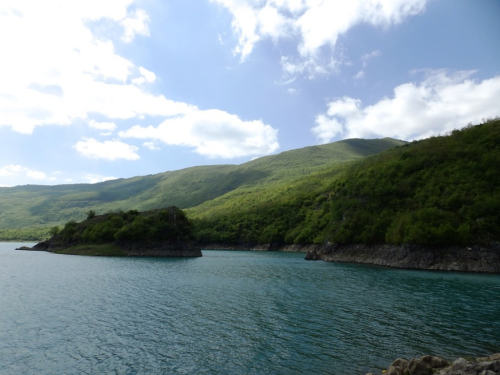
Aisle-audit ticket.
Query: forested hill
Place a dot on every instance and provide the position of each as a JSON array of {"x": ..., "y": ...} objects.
[
  {"x": 439, "y": 191},
  {"x": 41, "y": 207}
]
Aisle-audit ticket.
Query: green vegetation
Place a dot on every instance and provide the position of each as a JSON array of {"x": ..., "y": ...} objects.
[
  {"x": 25, "y": 234},
  {"x": 29, "y": 212},
  {"x": 439, "y": 191},
  {"x": 108, "y": 249},
  {"x": 168, "y": 224}
]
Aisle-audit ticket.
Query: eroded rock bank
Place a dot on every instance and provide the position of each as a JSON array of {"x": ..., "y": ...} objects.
[
  {"x": 429, "y": 364},
  {"x": 451, "y": 258},
  {"x": 259, "y": 247},
  {"x": 127, "y": 248},
  {"x": 160, "y": 249},
  {"x": 442, "y": 258}
]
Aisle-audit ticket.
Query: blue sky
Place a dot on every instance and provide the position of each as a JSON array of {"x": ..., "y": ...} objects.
[{"x": 94, "y": 90}]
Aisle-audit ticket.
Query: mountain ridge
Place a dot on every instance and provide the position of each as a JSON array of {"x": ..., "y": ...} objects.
[{"x": 41, "y": 206}]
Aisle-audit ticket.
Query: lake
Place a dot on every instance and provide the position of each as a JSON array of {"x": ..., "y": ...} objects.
[{"x": 233, "y": 312}]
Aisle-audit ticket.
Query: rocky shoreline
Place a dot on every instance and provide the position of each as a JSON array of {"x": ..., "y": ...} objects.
[
  {"x": 484, "y": 259},
  {"x": 127, "y": 248},
  {"x": 450, "y": 258},
  {"x": 429, "y": 364},
  {"x": 160, "y": 249}
]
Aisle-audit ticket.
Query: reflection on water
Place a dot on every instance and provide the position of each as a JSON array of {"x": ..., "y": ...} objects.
[{"x": 233, "y": 313}]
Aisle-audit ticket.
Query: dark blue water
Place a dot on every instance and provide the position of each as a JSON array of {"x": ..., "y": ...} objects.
[{"x": 233, "y": 313}]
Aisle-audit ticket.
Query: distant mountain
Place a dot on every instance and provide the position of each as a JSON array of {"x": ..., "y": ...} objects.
[{"x": 36, "y": 206}]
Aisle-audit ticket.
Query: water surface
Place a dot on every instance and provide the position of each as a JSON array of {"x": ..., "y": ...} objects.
[{"x": 233, "y": 312}]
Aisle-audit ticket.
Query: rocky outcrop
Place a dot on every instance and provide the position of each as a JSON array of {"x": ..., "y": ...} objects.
[
  {"x": 27, "y": 248},
  {"x": 452, "y": 258},
  {"x": 258, "y": 247},
  {"x": 429, "y": 364}
]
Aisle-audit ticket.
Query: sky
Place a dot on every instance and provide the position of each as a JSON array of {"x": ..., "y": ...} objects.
[{"x": 97, "y": 90}]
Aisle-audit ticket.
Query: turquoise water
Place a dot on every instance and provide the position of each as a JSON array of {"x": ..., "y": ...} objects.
[{"x": 233, "y": 313}]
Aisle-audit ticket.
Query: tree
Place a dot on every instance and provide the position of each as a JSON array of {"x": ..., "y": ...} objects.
[
  {"x": 90, "y": 214},
  {"x": 53, "y": 231}
]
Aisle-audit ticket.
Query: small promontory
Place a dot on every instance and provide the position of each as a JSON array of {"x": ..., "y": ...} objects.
[{"x": 159, "y": 233}]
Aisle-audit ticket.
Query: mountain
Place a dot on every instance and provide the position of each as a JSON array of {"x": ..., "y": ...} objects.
[
  {"x": 439, "y": 191},
  {"x": 35, "y": 206}
]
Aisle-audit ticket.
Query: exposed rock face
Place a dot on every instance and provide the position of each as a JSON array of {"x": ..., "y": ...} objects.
[
  {"x": 258, "y": 247},
  {"x": 25, "y": 248},
  {"x": 453, "y": 258},
  {"x": 143, "y": 248},
  {"x": 428, "y": 365}
]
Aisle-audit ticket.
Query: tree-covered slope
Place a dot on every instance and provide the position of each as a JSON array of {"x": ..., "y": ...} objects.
[
  {"x": 442, "y": 190},
  {"x": 34, "y": 206}
]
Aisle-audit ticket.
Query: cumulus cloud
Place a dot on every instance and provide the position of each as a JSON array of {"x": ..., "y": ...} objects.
[
  {"x": 313, "y": 24},
  {"x": 212, "y": 133},
  {"x": 58, "y": 71},
  {"x": 135, "y": 24},
  {"x": 109, "y": 126},
  {"x": 146, "y": 76},
  {"x": 440, "y": 103},
  {"x": 107, "y": 150}
]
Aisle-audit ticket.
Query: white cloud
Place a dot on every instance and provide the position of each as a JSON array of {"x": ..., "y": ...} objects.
[
  {"x": 146, "y": 76},
  {"x": 365, "y": 59},
  {"x": 57, "y": 70},
  {"x": 212, "y": 133},
  {"x": 109, "y": 126},
  {"x": 16, "y": 170},
  {"x": 441, "y": 103},
  {"x": 314, "y": 24},
  {"x": 14, "y": 174},
  {"x": 107, "y": 150},
  {"x": 95, "y": 178},
  {"x": 151, "y": 145},
  {"x": 135, "y": 24}
]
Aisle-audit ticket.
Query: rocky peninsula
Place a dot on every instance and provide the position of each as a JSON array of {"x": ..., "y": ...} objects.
[
  {"x": 123, "y": 248},
  {"x": 156, "y": 233}
]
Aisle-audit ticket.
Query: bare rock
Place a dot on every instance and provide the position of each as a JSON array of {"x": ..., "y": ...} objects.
[{"x": 417, "y": 366}]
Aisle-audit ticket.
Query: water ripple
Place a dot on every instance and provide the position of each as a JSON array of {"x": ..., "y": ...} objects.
[{"x": 233, "y": 313}]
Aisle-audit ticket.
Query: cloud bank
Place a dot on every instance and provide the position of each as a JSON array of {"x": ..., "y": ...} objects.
[
  {"x": 313, "y": 24},
  {"x": 17, "y": 173},
  {"x": 59, "y": 71},
  {"x": 439, "y": 104},
  {"x": 107, "y": 150},
  {"x": 62, "y": 67},
  {"x": 212, "y": 133}
]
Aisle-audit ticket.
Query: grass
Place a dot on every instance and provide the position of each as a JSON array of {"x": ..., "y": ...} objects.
[
  {"x": 108, "y": 249},
  {"x": 36, "y": 208}
]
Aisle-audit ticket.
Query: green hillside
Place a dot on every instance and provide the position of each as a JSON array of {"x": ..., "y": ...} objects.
[
  {"x": 439, "y": 191},
  {"x": 27, "y": 211}
]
